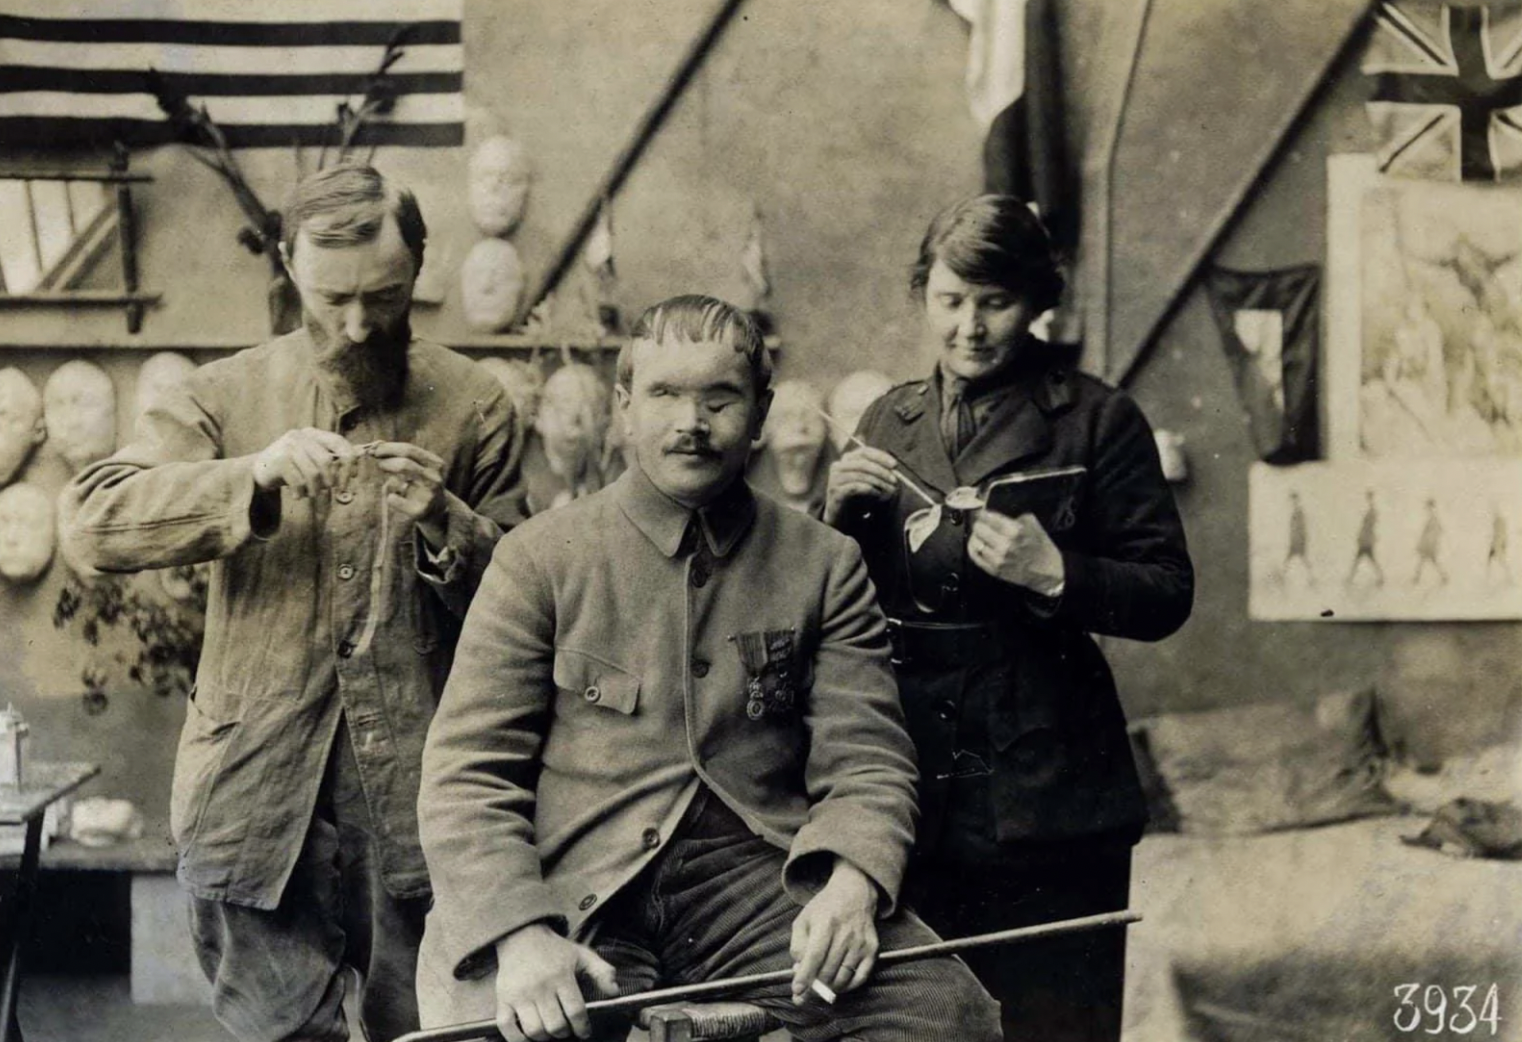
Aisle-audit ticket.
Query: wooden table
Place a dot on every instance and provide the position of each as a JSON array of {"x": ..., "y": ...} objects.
[{"x": 45, "y": 784}]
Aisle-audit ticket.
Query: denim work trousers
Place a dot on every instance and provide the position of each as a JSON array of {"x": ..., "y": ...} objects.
[
  {"x": 280, "y": 976},
  {"x": 712, "y": 905}
]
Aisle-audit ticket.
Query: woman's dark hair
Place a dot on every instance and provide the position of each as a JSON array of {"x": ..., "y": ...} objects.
[{"x": 992, "y": 240}]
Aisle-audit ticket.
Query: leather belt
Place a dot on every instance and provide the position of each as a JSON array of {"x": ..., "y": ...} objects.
[{"x": 944, "y": 644}]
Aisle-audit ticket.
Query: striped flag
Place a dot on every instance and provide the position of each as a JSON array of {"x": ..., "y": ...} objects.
[
  {"x": 271, "y": 73},
  {"x": 1014, "y": 89}
]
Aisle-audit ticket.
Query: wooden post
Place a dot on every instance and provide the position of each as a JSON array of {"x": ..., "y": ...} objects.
[{"x": 643, "y": 134}]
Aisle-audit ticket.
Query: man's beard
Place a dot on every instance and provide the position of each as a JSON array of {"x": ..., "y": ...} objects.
[{"x": 374, "y": 370}]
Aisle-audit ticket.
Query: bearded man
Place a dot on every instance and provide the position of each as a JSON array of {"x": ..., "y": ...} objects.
[{"x": 348, "y": 483}]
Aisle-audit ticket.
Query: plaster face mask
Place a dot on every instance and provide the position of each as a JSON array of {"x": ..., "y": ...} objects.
[
  {"x": 500, "y": 176},
  {"x": 159, "y": 373},
  {"x": 795, "y": 435},
  {"x": 21, "y": 426},
  {"x": 26, "y": 533},
  {"x": 491, "y": 285},
  {"x": 573, "y": 419},
  {"x": 79, "y": 404},
  {"x": 849, "y": 399},
  {"x": 524, "y": 383}
]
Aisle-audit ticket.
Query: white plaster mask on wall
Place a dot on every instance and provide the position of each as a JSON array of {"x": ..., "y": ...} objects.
[
  {"x": 795, "y": 434},
  {"x": 21, "y": 426},
  {"x": 524, "y": 383},
  {"x": 155, "y": 376},
  {"x": 849, "y": 399},
  {"x": 79, "y": 404},
  {"x": 26, "y": 532},
  {"x": 500, "y": 174},
  {"x": 491, "y": 285},
  {"x": 573, "y": 419}
]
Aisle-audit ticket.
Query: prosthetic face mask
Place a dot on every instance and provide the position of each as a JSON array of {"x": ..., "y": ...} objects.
[
  {"x": 500, "y": 175},
  {"x": 159, "y": 373},
  {"x": 491, "y": 285},
  {"x": 21, "y": 426},
  {"x": 573, "y": 419},
  {"x": 26, "y": 533},
  {"x": 849, "y": 400},
  {"x": 79, "y": 405},
  {"x": 795, "y": 435},
  {"x": 523, "y": 382}
]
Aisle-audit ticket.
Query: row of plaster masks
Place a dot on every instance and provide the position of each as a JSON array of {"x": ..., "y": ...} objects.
[
  {"x": 500, "y": 175},
  {"x": 571, "y": 412},
  {"x": 76, "y": 415}
]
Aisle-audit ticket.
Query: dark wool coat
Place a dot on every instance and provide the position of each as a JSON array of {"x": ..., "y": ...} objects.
[{"x": 1061, "y": 763}]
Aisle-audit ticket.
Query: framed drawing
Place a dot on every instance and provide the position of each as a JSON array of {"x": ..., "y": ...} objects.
[
  {"x": 1367, "y": 540},
  {"x": 1424, "y": 316}
]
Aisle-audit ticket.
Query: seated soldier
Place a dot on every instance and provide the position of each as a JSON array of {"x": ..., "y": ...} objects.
[{"x": 671, "y": 748}]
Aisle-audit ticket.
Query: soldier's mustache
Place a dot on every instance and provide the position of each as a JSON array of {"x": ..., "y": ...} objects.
[{"x": 690, "y": 445}]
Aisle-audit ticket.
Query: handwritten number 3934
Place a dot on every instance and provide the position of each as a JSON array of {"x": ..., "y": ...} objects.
[{"x": 1433, "y": 1014}]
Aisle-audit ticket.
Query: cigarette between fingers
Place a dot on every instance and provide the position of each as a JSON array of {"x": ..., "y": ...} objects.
[{"x": 823, "y": 990}]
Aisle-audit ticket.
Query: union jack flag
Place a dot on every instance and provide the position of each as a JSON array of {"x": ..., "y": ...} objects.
[{"x": 1447, "y": 100}]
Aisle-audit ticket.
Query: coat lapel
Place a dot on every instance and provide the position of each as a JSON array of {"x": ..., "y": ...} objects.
[
  {"x": 919, "y": 440},
  {"x": 1016, "y": 428}
]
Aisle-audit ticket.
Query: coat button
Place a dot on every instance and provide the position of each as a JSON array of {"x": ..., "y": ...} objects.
[
  {"x": 698, "y": 576},
  {"x": 946, "y": 709},
  {"x": 592, "y": 693},
  {"x": 587, "y": 902},
  {"x": 699, "y": 668},
  {"x": 344, "y": 496},
  {"x": 346, "y": 571},
  {"x": 650, "y": 839},
  {"x": 345, "y": 648}
]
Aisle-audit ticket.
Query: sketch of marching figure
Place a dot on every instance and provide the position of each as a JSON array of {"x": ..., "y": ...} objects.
[
  {"x": 1368, "y": 538},
  {"x": 1497, "y": 564},
  {"x": 1429, "y": 546},
  {"x": 1299, "y": 541}
]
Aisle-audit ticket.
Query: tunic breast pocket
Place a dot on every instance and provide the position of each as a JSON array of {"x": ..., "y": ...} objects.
[
  {"x": 594, "y": 682},
  {"x": 776, "y": 677}
]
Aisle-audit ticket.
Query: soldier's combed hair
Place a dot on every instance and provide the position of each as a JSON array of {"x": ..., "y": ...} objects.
[
  {"x": 346, "y": 205},
  {"x": 695, "y": 319}
]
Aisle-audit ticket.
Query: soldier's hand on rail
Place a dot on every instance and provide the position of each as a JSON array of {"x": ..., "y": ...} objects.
[
  {"x": 835, "y": 936},
  {"x": 538, "y": 991}
]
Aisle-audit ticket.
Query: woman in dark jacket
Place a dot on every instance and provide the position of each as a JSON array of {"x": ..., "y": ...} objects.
[{"x": 1029, "y": 794}]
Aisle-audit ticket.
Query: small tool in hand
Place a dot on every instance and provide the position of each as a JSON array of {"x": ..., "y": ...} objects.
[{"x": 854, "y": 440}]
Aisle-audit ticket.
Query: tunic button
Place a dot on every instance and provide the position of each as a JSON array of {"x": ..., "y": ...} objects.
[
  {"x": 946, "y": 710},
  {"x": 344, "y": 496},
  {"x": 345, "y": 649},
  {"x": 699, "y": 576},
  {"x": 587, "y": 902},
  {"x": 650, "y": 838},
  {"x": 346, "y": 571},
  {"x": 592, "y": 694},
  {"x": 699, "y": 668}
]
